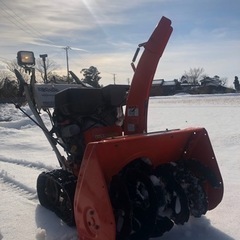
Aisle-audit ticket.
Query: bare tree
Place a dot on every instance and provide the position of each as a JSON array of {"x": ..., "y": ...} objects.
[
  {"x": 12, "y": 65},
  {"x": 50, "y": 67},
  {"x": 5, "y": 74},
  {"x": 222, "y": 81},
  {"x": 194, "y": 74}
]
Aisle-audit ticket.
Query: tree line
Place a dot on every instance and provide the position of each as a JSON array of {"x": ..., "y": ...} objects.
[
  {"x": 91, "y": 76},
  {"x": 9, "y": 85}
]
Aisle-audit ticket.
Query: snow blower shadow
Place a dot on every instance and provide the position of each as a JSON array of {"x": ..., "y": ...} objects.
[
  {"x": 51, "y": 227},
  {"x": 196, "y": 229}
]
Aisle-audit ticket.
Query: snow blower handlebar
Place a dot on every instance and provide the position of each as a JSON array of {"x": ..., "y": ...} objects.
[{"x": 39, "y": 122}]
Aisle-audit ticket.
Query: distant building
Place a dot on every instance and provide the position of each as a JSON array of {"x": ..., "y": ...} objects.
[
  {"x": 212, "y": 85},
  {"x": 207, "y": 81},
  {"x": 160, "y": 87},
  {"x": 207, "y": 85}
]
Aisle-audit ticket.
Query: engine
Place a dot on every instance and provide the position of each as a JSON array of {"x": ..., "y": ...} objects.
[{"x": 80, "y": 110}]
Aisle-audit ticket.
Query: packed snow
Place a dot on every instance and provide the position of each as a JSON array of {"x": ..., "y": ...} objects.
[{"x": 25, "y": 153}]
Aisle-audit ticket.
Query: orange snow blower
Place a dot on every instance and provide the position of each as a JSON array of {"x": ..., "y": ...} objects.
[{"x": 117, "y": 181}]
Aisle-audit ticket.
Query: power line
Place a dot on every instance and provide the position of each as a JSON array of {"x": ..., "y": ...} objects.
[
  {"x": 10, "y": 20},
  {"x": 20, "y": 23},
  {"x": 17, "y": 18}
]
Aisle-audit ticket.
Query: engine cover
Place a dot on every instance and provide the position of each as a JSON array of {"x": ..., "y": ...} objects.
[{"x": 87, "y": 101}]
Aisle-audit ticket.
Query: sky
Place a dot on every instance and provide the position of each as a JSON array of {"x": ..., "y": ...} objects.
[{"x": 105, "y": 34}]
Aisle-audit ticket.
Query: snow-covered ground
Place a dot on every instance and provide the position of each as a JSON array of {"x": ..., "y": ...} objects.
[{"x": 24, "y": 153}]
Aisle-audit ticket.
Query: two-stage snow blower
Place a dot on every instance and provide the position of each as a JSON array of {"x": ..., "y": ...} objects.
[{"x": 117, "y": 181}]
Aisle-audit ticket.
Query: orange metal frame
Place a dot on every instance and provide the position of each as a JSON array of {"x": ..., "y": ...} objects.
[
  {"x": 137, "y": 101},
  {"x": 105, "y": 158},
  {"x": 93, "y": 212}
]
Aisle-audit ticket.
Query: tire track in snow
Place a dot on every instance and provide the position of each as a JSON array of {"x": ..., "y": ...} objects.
[
  {"x": 16, "y": 185},
  {"x": 22, "y": 188},
  {"x": 28, "y": 164}
]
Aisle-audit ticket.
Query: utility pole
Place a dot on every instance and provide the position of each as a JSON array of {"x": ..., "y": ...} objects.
[
  {"x": 114, "y": 78},
  {"x": 66, "y": 49},
  {"x": 43, "y": 57}
]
